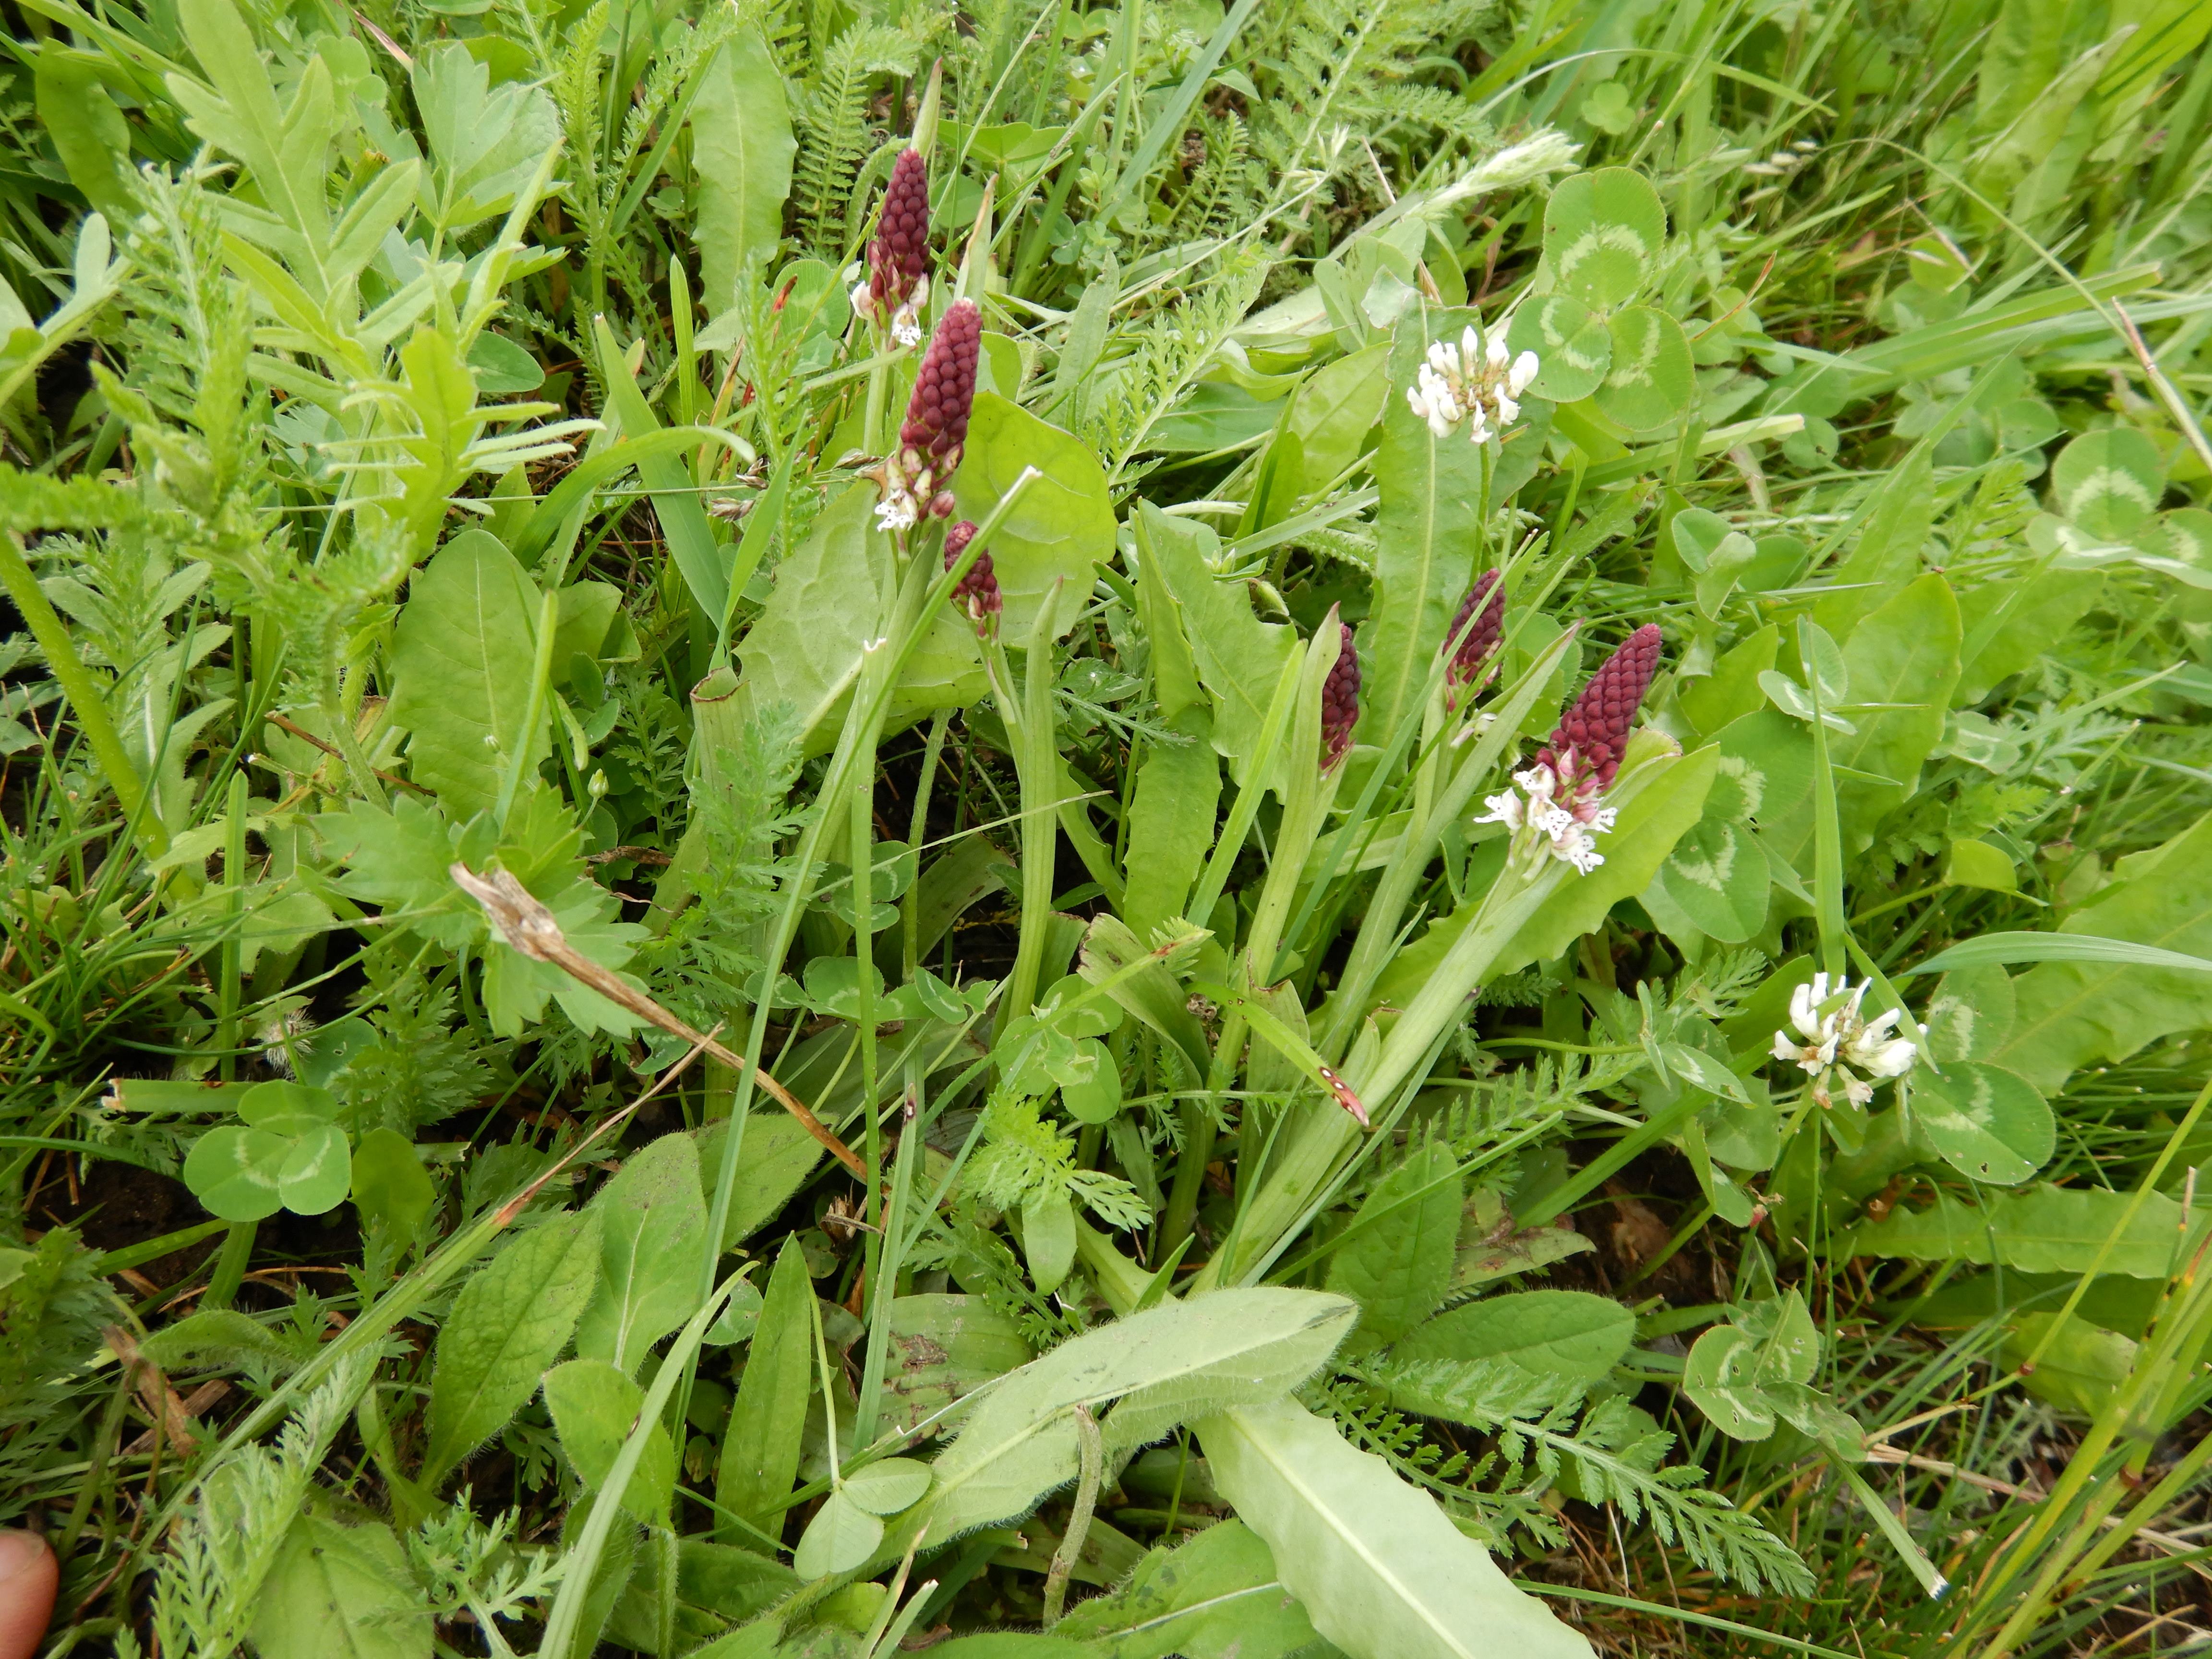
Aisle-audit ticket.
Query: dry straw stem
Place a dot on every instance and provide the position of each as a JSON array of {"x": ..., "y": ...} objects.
[{"x": 529, "y": 927}]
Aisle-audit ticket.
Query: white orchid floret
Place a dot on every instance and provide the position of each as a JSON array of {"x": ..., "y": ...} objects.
[
  {"x": 905, "y": 326},
  {"x": 1834, "y": 1043},
  {"x": 1542, "y": 826},
  {"x": 899, "y": 510}
]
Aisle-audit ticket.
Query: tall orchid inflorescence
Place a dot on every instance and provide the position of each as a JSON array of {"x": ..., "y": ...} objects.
[
  {"x": 897, "y": 285},
  {"x": 1556, "y": 812},
  {"x": 1484, "y": 608},
  {"x": 977, "y": 591},
  {"x": 935, "y": 429},
  {"x": 1476, "y": 381},
  {"x": 1340, "y": 701}
]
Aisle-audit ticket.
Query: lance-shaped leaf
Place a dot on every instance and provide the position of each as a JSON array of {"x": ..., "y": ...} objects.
[
  {"x": 1162, "y": 1366},
  {"x": 1381, "y": 1569}
]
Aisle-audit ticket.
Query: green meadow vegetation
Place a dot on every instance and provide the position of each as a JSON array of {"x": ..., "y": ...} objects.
[{"x": 1047, "y": 831}]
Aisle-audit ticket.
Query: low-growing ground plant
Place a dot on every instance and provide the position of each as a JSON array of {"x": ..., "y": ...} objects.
[{"x": 1059, "y": 831}]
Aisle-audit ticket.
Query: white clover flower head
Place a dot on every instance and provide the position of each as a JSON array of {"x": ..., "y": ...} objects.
[
  {"x": 1433, "y": 398},
  {"x": 1541, "y": 825},
  {"x": 1478, "y": 381},
  {"x": 1836, "y": 1045}
]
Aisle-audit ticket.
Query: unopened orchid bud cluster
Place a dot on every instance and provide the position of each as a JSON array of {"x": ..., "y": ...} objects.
[
  {"x": 1478, "y": 627},
  {"x": 1834, "y": 1043},
  {"x": 1477, "y": 382},
  {"x": 977, "y": 592},
  {"x": 1556, "y": 810},
  {"x": 935, "y": 431},
  {"x": 897, "y": 285},
  {"x": 1340, "y": 701}
]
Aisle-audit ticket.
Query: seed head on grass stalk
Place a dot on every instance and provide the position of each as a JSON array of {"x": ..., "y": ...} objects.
[{"x": 1556, "y": 810}]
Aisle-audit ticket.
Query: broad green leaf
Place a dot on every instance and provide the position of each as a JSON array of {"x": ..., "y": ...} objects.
[
  {"x": 1905, "y": 652},
  {"x": 1568, "y": 1333},
  {"x": 760, "y": 1451},
  {"x": 1988, "y": 1123},
  {"x": 1603, "y": 232},
  {"x": 1239, "y": 658},
  {"x": 2009, "y": 624},
  {"x": 651, "y": 1217},
  {"x": 1427, "y": 531},
  {"x": 1718, "y": 877},
  {"x": 462, "y": 660},
  {"x": 2109, "y": 481},
  {"x": 1163, "y": 1366},
  {"x": 594, "y": 1407},
  {"x": 1151, "y": 993},
  {"x": 390, "y": 1183},
  {"x": 286, "y": 1154},
  {"x": 1746, "y": 1375},
  {"x": 777, "y": 1157},
  {"x": 888, "y": 1486},
  {"x": 88, "y": 133},
  {"x": 1337, "y": 409},
  {"x": 2040, "y": 1230},
  {"x": 509, "y": 1323},
  {"x": 840, "y": 1537},
  {"x": 1977, "y": 864},
  {"x": 804, "y": 649},
  {"x": 341, "y": 1593},
  {"x": 1730, "y": 691},
  {"x": 2075, "y": 1013},
  {"x": 1216, "y": 1597},
  {"x": 219, "y": 1338},
  {"x": 1572, "y": 344},
  {"x": 1170, "y": 822},
  {"x": 1397, "y": 1263},
  {"x": 1766, "y": 768},
  {"x": 943, "y": 1347},
  {"x": 1886, "y": 555},
  {"x": 1048, "y": 1238},
  {"x": 1379, "y": 1568},
  {"x": 1971, "y": 1013},
  {"x": 1650, "y": 379},
  {"x": 1720, "y": 1375},
  {"x": 741, "y": 151},
  {"x": 1062, "y": 524},
  {"x": 2079, "y": 1371}
]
